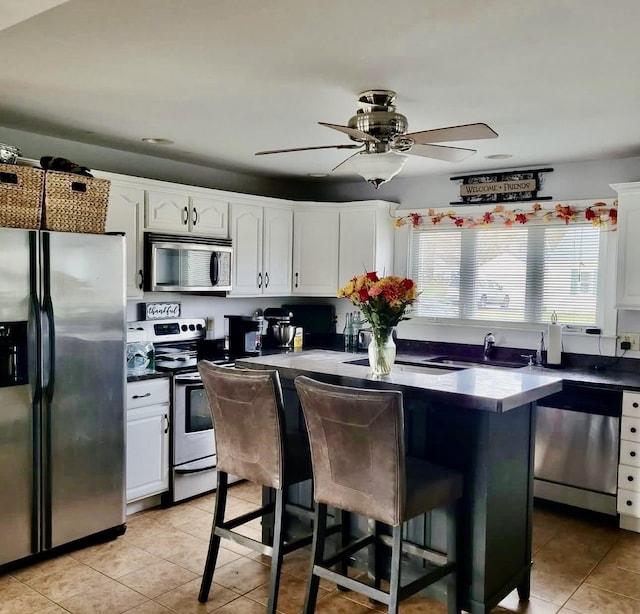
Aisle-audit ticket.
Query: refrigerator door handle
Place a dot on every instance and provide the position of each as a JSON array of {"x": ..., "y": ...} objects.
[{"x": 48, "y": 309}]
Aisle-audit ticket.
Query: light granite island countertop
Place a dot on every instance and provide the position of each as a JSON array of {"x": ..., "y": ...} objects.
[
  {"x": 478, "y": 421},
  {"x": 496, "y": 390}
]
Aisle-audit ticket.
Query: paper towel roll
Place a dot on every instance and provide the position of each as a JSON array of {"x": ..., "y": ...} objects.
[{"x": 554, "y": 344}]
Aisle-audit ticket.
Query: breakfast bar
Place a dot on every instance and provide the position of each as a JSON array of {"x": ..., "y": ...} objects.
[{"x": 480, "y": 422}]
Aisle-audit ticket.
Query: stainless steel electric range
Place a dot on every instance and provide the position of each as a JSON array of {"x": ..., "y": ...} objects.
[{"x": 193, "y": 446}]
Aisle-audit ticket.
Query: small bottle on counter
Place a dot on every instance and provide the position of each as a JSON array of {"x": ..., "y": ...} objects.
[{"x": 346, "y": 332}]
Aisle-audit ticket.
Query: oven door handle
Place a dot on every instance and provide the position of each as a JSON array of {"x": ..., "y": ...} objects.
[{"x": 195, "y": 470}]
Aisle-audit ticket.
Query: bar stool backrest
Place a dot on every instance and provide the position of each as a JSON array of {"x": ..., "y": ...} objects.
[
  {"x": 248, "y": 420},
  {"x": 357, "y": 448}
]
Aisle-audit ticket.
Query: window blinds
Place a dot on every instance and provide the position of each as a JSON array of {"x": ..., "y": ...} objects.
[{"x": 517, "y": 274}]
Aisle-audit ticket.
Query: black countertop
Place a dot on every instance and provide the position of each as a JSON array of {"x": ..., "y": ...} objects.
[{"x": 147, "y": 374}]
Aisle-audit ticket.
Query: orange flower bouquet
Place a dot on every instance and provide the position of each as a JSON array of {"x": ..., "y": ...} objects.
[{"x": 383, "y": 302}]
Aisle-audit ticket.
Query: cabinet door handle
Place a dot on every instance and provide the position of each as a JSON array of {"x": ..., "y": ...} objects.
[
  {"x": 266, "y": 280},
  {"x": 141, "y": 276},
  {"x": 195, "y": 216},
  {"x": 259, "y": 280},
  {"x": 141, "y": 396},
  {"x": 166, "y": 422},
  {"x": 296, "y": 280},
  {"x": 185, "y": 216}
]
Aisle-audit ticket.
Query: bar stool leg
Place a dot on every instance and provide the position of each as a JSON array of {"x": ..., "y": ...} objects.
[
  {"x": 319, "y": 537},
  {"x": 344, "y": 518},
  {"x": 276, "y": 556},
  {"x": 394, "y": 583},
  {"x": 214, "y": 540},
  {"x": 453, "y": 605}
]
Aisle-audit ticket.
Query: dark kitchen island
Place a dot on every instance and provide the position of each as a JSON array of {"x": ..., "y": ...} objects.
[{"x": 478, "y": 421}]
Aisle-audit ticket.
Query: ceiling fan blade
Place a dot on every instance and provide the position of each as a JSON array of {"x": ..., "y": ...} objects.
[
  {"x": 468, "y": 132},
  {"x": 273, "y": 151},
  {"x": 441, "y": 152},
  {"x": 352, "y": 132},
  {"x": 345, "y": 161}
]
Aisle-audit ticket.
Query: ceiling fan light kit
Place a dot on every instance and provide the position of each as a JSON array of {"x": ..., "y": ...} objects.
[
  {"x": 377, "y": 168},
  {"x": 382, "y": 135}
]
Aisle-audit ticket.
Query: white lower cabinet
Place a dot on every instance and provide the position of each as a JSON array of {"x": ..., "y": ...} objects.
[
  {"x": 629, "y": 467},
  {"x": 147, "y": 438}
]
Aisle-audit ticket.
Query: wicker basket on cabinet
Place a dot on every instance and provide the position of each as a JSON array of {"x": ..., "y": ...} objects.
[
  {"x": 21, "y": 190},
  {"x": 75, "y": 203}
]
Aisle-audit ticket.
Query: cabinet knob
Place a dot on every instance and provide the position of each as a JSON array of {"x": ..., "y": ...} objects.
[
  {"x": 630, "y": 478},
  {"x": 633, "y": 429},
  {"x": 632, "y": 453},
  {"x": 635, "y": 404},
  {"x": 629, "y": 503}
]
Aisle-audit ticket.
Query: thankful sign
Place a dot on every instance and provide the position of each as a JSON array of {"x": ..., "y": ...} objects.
[{"x": 159, "y": 311}]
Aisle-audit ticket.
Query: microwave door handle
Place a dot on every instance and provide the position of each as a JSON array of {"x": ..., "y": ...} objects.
[{"x": 213, "y": 269}]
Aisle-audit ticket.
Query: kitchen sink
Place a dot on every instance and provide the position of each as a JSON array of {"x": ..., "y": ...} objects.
[
  {"x": 468, "y": 364},
  {"x": 412, "y": 367}
]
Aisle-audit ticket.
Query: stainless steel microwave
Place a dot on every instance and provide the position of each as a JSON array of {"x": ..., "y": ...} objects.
[{"x": 176, "y": 263}]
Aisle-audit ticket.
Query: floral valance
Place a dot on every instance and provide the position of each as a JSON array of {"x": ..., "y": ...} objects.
[{"x": 598, "y": 214}]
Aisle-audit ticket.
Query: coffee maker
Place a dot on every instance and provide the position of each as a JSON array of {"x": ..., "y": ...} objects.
[{"x": 242, "y": 335}]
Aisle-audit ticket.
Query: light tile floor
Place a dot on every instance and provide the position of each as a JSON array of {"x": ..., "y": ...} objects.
[{"x": 583, "y": 565}]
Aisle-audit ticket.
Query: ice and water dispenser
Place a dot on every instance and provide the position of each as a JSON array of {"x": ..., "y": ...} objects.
[{"x": 13, "y": 354}]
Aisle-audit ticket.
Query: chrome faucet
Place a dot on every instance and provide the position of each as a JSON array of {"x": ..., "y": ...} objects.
[{"x": 489, "y": 343}]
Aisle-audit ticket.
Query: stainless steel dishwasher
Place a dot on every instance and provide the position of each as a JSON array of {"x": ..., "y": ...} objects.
[{"x": 577, "y": 447}]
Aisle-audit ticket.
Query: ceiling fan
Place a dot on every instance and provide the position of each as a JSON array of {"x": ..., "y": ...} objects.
[{"x": 381, "y": 135}]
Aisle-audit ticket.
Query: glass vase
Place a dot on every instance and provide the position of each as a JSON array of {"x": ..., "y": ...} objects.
[{"x": 382, "y": 351}]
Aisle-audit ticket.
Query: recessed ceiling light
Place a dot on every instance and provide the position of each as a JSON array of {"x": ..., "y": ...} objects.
[
  {"x": 158, "y": 141},
  {"x": 499, "y": 156},
  {"x": 317, "y": 175}
]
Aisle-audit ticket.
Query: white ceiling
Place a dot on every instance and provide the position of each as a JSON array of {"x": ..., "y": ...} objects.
[{"x": 557, "y": 79}]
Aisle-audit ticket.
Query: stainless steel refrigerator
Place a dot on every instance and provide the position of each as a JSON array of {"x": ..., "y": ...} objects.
[{"x": 62, "y": 389}]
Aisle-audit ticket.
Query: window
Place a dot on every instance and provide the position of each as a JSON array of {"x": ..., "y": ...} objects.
[{"x": 517, "y": 274}]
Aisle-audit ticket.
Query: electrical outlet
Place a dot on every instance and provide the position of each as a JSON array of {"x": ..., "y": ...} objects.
[{"x": 633, "y": 339}]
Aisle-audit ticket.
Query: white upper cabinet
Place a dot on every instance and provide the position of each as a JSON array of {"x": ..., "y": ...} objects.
[
  {"x": 628, "y": 273},
  {"x": 261, "y": 236},
  {"x": 366, "y": 240},
  {"x": 315, "y": 250},
  {"x": 186, "y": 211},
  {"x": 125, "y": 214},
  {"x": 277, "y": 250},
  {"x": 246, "y": 237}
]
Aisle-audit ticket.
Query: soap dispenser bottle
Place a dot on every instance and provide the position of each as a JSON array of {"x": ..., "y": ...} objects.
[{"x": 539, "y": 359}]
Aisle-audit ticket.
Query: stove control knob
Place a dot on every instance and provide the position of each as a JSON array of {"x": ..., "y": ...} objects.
[
  {"x": 199, "y": 327},
  {"x": 183, "y": 327},
  {"x": 192, "y": 327}
]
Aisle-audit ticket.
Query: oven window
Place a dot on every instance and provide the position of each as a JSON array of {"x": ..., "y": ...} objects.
[{"x": 198, "y": 414}]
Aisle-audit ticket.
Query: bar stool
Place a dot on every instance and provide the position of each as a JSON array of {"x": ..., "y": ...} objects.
[
  {"x": 252, "y": 443},
  {"x": 359, "y": 465}
]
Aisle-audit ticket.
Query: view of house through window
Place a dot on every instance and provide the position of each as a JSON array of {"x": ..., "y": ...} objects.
[{"x": 517, "y": 274}]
